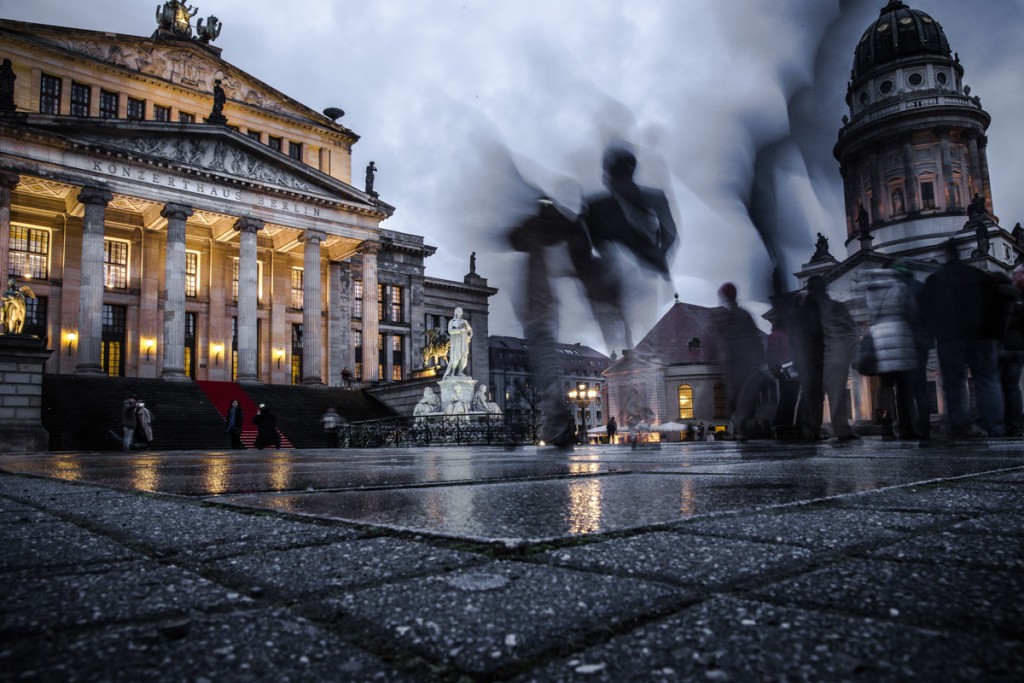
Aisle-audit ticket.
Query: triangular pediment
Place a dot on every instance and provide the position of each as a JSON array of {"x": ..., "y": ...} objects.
[{"x": 210, "y": 150}]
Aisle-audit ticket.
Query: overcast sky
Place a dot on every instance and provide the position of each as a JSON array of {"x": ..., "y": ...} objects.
[{"x": 449, "y": 95}]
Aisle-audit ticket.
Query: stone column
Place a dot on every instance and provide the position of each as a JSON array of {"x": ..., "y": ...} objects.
[
  {"x": 975, "y": 160},
  {"x": 944, "y": 183},
  {"x": 986, "y": 181},
  {"x": 909, "y": 179},
  {"x": 8, "y": 181},
  {"x": 339, "y": 322},
  {"x": 876, "y": 188},
  {"x": 174, "y": 293},
  {"x": 247, "y": 294},
  {"x": 311, "y": 308},
  {"x": 371, "y": 323},
  {"x": 90, "y": 291}
]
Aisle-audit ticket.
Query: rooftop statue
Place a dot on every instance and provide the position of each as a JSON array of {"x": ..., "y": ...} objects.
[
  {"x": 209, "y": 31},
  {"x": 176, "y": 16}
]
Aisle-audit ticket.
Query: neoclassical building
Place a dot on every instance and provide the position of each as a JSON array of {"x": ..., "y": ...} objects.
[{"x": 176, "y": 217}]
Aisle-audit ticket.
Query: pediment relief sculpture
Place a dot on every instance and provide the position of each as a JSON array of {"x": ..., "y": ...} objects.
[{"x": 209, "y": 155}]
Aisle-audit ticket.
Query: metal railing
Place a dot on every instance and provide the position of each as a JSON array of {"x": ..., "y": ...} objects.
[{"x": 440, "y": 430}]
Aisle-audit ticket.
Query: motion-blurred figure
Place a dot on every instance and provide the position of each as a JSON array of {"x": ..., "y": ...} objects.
[
  {"x": 966, "y": 310},
  {"x": 1011, "y": 360},
  {"x": 891, "y": 306},
  {"x": 632, "y": 231},
  {"x": 780, "y": 358},
  {"x": 743, "y": 359},
  {"x": 827, "y": 341}
]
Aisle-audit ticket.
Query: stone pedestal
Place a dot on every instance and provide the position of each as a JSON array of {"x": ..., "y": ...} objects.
[
  {"x": 21, "y": 394},
  {"x": 463, "y": 385}
]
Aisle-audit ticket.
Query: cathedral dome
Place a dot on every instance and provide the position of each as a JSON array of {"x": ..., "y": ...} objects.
[{"x": 899, "y": 32}]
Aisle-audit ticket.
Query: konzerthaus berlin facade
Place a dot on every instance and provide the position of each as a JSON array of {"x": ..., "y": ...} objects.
[{"x": 176, "y": 216}]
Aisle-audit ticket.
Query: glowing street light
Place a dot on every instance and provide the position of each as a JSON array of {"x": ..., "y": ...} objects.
[{"x": 583, "y": 396}]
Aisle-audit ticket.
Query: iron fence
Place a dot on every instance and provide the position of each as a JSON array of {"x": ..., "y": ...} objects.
[{"x": 439, "y": 430}]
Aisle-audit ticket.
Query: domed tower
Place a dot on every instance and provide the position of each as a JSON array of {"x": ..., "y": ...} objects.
[{"x": 912, "y": 151}]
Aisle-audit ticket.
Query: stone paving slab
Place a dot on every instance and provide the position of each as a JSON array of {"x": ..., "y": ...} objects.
[
  {"x": 488, "y": 619},
  {"x": 959, "y": 549},
  {"x": 1002, "y": 524},
  {"x": 700, "y": 562},
  {"x": 185, "y": 528},
  {"x": 929, "y": 596},
  {"x": 828, "y": 528},
  {"x": 937, "y": 498},
  {"x": 730, "y": 639},
  {"x": 52, "y": 544},
  {"x": 265, "y": 644},
  {"x": 37, "y": 602},
  {"x": 290, "y": 574}
]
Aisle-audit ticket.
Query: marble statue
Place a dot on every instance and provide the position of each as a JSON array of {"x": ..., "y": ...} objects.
[
  {"x": 459, "y": 334},
  {"x": 430, "y": 403},
  {"x": 482, "y": 405}
]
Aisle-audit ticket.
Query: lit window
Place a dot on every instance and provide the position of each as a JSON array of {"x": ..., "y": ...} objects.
[
  {"x": 685, "y": 402},
  {"x": 109, "y": 102},
  {"x": 357, "y": 304},
  {"x": 397, "y": 357},
  {"x": 49, "y": 94},
  {"x": 297, "y": 279},
  {"x": 29, "y": 254},
  {"x": 81, "y": 96},
  {"x": 191, "y": 274},
  {"x": 115, "y": 264}
]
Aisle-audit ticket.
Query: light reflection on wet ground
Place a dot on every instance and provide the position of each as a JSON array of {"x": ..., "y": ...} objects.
[{"x": 526, "y": 493}]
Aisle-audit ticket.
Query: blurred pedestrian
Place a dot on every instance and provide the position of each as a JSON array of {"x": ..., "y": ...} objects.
[
  {"x": 330, "y": 423},
  {"x": 830, "y": 339},
  {"x": 234, "y": 425},
  {"x": 743, "y": 359},
  {"x": 924, "y": 341},
  {"x": 128, "y": 421},
  {"x": 613, "y": 427},
  {"x": 144, "y": 424},
  {"x": 781, "y": 363},
  {"x": 1011, "y": 360},
  {"x": 891, "y": 305},
  {"x": 266, "y": 428},
  {"x": 963, "y": 308},
  {"x": 346, "y": 377}
]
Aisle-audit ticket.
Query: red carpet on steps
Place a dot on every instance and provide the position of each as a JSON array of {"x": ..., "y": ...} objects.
[{"x": 221, "y": 394}]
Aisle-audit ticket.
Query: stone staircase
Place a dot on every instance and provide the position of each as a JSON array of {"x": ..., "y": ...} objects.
[{"x": 221, "y": 394}]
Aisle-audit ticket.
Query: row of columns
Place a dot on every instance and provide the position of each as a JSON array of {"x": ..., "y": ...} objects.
[{"x": 91, "y": 288}]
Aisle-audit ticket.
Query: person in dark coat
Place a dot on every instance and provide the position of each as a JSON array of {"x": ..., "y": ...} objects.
[
  {"x": 1011, "y": 360},
  {"x": 923, "y": 344},
  {"x": 613, "y": 427},
  {"x": 965, "y": 309},
  {"x": 781, "y": 362},
  {"x": 234, "y": 425},
  {"x": 743, "y": 359},
  {"x": 828, "y": 340},
  {"x": 266, "y": 428}
]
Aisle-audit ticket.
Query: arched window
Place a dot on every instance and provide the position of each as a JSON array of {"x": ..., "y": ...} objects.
[
  {"x": 685, "y": 402},
  {"x": 719, "y": 396}
]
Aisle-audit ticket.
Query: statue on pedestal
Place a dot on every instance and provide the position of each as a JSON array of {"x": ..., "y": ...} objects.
[
  {"x": 460, "y": 333},
  {"x": 12, "y": 316}
]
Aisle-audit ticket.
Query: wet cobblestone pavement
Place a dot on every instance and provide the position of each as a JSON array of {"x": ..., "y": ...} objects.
[{"x": 722, "y": 561}]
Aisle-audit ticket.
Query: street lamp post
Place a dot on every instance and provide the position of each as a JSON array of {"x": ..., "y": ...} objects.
[{"x": 583, "y": 396}]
